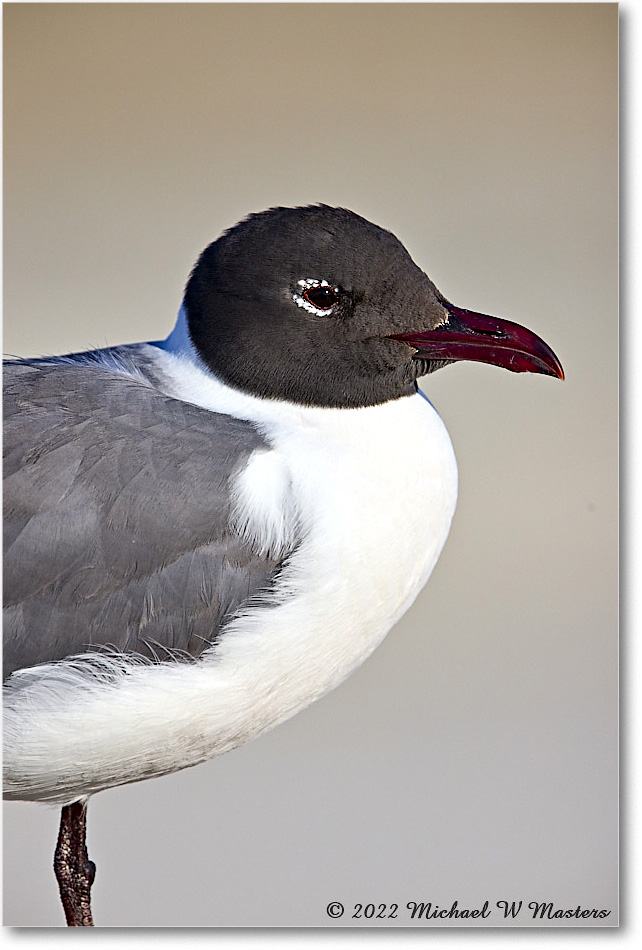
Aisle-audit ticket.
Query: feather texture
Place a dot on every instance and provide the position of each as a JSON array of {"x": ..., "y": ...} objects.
[{"x": 117, "y": 514}]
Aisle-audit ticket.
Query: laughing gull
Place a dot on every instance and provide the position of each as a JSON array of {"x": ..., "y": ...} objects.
[{"x": 206, "y": 534}]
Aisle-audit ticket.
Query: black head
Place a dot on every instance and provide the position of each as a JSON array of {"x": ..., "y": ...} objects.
[{"x": 302, "y": 304}]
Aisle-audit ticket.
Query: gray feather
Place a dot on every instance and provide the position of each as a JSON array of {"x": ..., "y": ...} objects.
[{"x": 117, "y": 513}]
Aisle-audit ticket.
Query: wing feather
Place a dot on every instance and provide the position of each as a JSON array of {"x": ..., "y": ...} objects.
[{"x": 117, "y": 515}]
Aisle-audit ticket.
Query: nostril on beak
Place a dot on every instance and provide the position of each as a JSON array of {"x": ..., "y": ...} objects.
[{"x": 496, "y": 334}]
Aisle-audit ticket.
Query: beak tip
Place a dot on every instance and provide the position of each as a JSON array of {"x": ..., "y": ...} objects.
[{"x": 556, "y": 370}]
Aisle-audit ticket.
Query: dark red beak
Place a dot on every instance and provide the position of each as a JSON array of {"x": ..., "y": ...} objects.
[{"x": 475, "y": 336}]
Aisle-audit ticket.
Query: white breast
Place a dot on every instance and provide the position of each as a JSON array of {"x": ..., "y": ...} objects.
[{"x": 371, "y": 491}]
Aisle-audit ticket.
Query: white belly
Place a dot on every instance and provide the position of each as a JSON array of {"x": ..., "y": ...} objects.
[{"x": 373, "y": 491}]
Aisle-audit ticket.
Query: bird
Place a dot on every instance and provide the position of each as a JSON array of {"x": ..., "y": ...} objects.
[{"x": 206, "y": 533}]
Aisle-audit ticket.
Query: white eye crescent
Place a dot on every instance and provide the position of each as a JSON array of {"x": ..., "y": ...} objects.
[{"x": 316, "y": 296}]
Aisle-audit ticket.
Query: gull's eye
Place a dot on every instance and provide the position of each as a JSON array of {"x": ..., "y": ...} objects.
[
  {"x": 321, "y": 297},
  {"x": 316, "y": 296}
]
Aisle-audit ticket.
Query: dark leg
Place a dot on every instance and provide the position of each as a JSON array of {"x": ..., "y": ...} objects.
[{"x": 74, "y": 871}]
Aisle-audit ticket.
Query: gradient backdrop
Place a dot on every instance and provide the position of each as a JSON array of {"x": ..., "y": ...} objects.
[{"x": 473, "y": 757}]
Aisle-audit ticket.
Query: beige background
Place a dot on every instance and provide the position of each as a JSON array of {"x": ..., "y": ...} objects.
[{"x": 473, "y": 757}]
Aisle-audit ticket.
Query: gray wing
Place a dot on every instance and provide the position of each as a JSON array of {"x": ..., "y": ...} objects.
[{"x": 117, "y": 517}]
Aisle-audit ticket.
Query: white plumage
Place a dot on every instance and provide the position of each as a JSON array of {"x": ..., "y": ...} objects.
[{"x": 373, "y": 491}]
